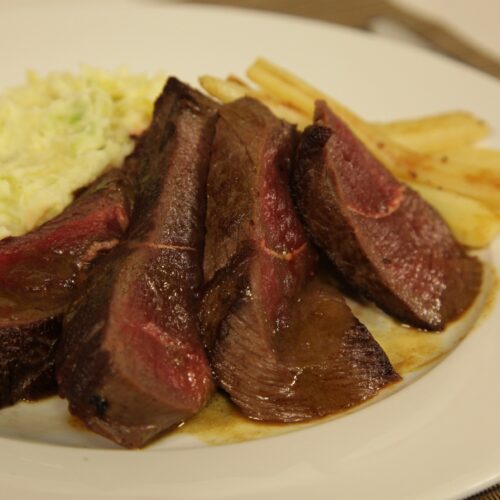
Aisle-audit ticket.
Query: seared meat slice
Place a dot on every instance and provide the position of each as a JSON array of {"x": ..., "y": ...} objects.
[
  {"x": 39, "y": 275},
  {"x": 131, "y": 362},
  {"x": 385, "y": 240},
  {"x": 283, "y": 345}
]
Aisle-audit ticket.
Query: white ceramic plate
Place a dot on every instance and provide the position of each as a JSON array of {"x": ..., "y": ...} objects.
[{"x": 437, "y": 438}]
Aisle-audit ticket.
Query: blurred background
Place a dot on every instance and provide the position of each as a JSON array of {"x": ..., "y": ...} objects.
[{"x": 466, "y": 30}]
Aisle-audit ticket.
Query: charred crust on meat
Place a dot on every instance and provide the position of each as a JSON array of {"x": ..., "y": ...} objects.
[
  {"x": 100, "y": 404},
  {"x": 384, "y": 239},
  {"x": 133, "y": 334},
  {"x": 263, "y": 317},
  {"x": 41, "y": 274},
  {"x": 317, "y": 136}
]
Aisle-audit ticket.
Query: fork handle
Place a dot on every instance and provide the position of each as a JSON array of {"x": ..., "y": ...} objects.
[{"x": 443, "y": 39}]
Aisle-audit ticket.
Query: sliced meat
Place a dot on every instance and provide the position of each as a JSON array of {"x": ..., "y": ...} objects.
[
  {"x": 39, "y": 275},
  {"x": 385, "y": 240},
  {"x": 283, "y": 345},
  {"x": 131, "y": 362}
]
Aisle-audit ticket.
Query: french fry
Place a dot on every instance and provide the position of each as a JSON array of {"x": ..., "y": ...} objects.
[
  {"x": 442, "y": 132},
  {"x": 473, "y": 223},
  {"x": 232, "y": 89},
  {"x": 474, "y": 159},
  {"x": 405, "y": 164},
  {"x": 463, "y": 184},
  {"x": 428, "y": 134},
  {"x": 438, "y": 171},
  {"x": 294, "y": 91},
  {"x": 222, "y": 90}
]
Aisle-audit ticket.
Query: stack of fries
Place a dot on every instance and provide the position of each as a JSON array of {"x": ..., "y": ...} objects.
[{"x": 437, "y": 155}]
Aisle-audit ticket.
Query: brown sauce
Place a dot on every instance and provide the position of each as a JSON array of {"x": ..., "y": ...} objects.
[
  {"x": 409, "y": 349},
  {"x": 76, "y": 423},
  {"x": 221, "y": 423}
]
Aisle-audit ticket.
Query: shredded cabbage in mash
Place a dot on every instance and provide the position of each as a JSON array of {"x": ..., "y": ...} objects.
[{"x": 59, "y": 132}]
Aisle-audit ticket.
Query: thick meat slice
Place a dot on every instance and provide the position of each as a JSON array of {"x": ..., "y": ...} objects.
[
  {"x": 39, "y": 275},
  {"x": 131, "y": 362},
  {"x": 384, "y": 239},
  {"x": 283, "y": 345}
]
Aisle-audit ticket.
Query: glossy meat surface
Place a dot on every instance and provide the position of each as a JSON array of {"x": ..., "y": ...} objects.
[
  {"x": 385, "y": 240},
  {"x": 283, "y": 344},
  {"x": 40, "y": 273},
  {"x": 131, "y": 362}
]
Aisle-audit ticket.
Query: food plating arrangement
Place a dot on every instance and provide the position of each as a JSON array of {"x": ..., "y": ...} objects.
[{"x": 251, "y": 246}]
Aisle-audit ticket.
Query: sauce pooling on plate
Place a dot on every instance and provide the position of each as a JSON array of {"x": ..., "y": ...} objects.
[{"x": 410, "y": 350}]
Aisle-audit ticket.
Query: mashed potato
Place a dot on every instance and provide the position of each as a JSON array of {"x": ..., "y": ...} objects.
[{"x": 59, "y": 132}]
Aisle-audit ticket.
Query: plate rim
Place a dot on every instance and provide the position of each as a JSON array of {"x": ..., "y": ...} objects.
[{"x": 27, "y": 448}]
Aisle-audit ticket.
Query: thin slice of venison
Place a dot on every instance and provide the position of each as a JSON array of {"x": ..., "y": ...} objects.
[
  {"x": 283, "y": 344},
  {"x": 40, "y": 273},
  {"x": 385, "y": 240},
  {"x": 131, "y": 362}
]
